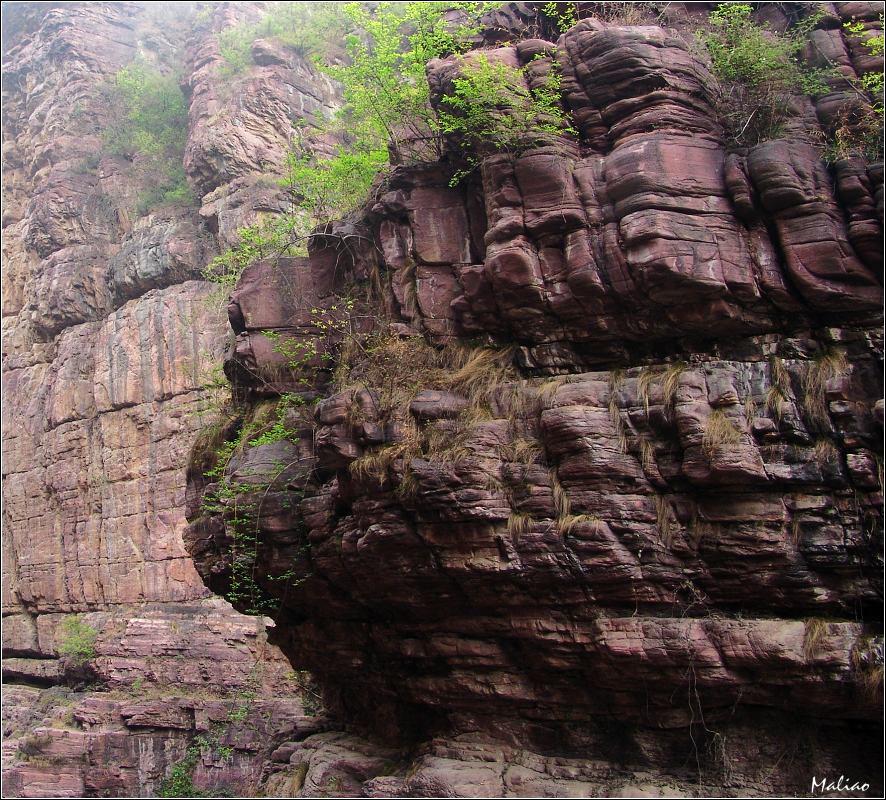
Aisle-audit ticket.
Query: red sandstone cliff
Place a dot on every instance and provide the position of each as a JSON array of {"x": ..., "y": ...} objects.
[
  {"x": 630, "y": 543},
  {"x": 111, "y": 343}
]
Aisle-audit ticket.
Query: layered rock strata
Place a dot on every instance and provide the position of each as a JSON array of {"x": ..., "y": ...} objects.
[
  {"x": 640, "y": 521},
  {"x": 111, "y": 348}
]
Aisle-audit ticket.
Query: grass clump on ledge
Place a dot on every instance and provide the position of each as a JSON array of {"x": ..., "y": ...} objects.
[
  {"x": 720, "y": 432},
  {"x": 825, "y": 365}
]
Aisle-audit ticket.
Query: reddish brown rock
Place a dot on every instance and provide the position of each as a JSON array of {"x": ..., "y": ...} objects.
[
  {"x": 591, "y": 549},
  {"x": 110, "y": 347},
  {"x": 656, "y": 543}
]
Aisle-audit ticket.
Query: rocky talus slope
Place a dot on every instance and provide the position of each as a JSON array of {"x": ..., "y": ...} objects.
[
  {"x": 111, "y": 342},
  {"x": 626, "y": 541}
]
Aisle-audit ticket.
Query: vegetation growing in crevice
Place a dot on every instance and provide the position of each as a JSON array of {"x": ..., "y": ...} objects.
[
  {"x": 392, "y": 370},
  {"x": 385, "y": 88},
  {"x": 858, "y": 130},
  {"x": 179, "y": 781},
  {"x": 671, "y": 382},
  {"x": 665, "y": 521},
  {"x": 149, "y": 125},
  {"x": 564, "y": 15},
  {"x": 867, "y": 666},
  {"x": 719, "y": 433},
  {"x": 239, "y": 501},
  {"x": 270, "y": 237},
  {"x": 76, "y": 640},
  {"x": 491, "y": 110},
  {"x": 827, "y": 364},
  {"x": 387, "y": 118},
  {"x": 779, "y": 392},
  {"x": 759, "y": 71},
  {"x": 814, "y": 631}
]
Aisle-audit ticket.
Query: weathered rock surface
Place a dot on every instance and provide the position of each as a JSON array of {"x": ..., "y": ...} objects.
[
  {"x": 71, "y": 744},
  {"x": 657, "y": 541},
  {"x": 111, "y": 348},
  {"x": 644, "y": 558}
]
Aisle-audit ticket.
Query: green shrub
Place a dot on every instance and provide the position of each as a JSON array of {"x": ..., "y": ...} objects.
[
  {"x": 275, "y": 236},
  {"x": 76, "y": 640},
  {"x": 179, "y": 782},
  {"x": 279, "y": 431},
  {"x": 564, "y": 15},
  {"x": 385, "y": 89},
  {"x": 489, "y": 109},
  {"x": 759, "y": 72},
  {"x": 307, "y": 28},
  {"x": 859, "y": 129},
  {"x": 328, "y": 188},
  {"x": 386, "y": 111},
  {"x": 149, "y": 122}
]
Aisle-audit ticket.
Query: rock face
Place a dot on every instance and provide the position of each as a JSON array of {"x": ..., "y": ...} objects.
[
  {"x": 111, "y": 348},
  {"x": 631, "y": 542},
  {"x": 600, "y": 513}
]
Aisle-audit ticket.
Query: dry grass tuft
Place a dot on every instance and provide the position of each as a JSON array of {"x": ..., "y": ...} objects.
[
  {"x": 826, "y": 451},
  {"x": 646, "y": 378},
  {"x": 871, "y": 682},
  {"x": 374, "y": 464},
  {"x": 779, "y": 375},
  {"x": 719, "y": 432},
  {"x": 779, "y": 392},
  {"x": 826, "y": 365},
  {"x": 647, "y": 452},
  {"x": 518, "y": 523},
  {"x": 407, "y": 488},
  {"x": 548, "y": 389},
  {"x": 480, "y": 373},
  {"x": 867, "y": 669},
  {"x": 776, "y": 400},
  {"x": 493, "y": 484},
  {"x": 616, "y": 379},
  {"x": 521, "y": 451},
  {"x": 475, "y": 414},
  {"x": 562, "y": 506},
  {"x": 566, "y": 523},
  {"x": 665, "y": 520},
  {"x": 671, "y": 382},
  {"x": 750, "y": 409},
  {"x": 410, "y": 292},
  {"x": 444, "y": 445},
  {"x": 814, "y": 632}
]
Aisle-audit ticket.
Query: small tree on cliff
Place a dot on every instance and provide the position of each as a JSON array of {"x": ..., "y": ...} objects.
[
  {"x": 385, "y": 89},
  {"x": 490, "y": 109},
  {"x": 858, "y": 129},
  {"x": 387, "y": 116}
]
